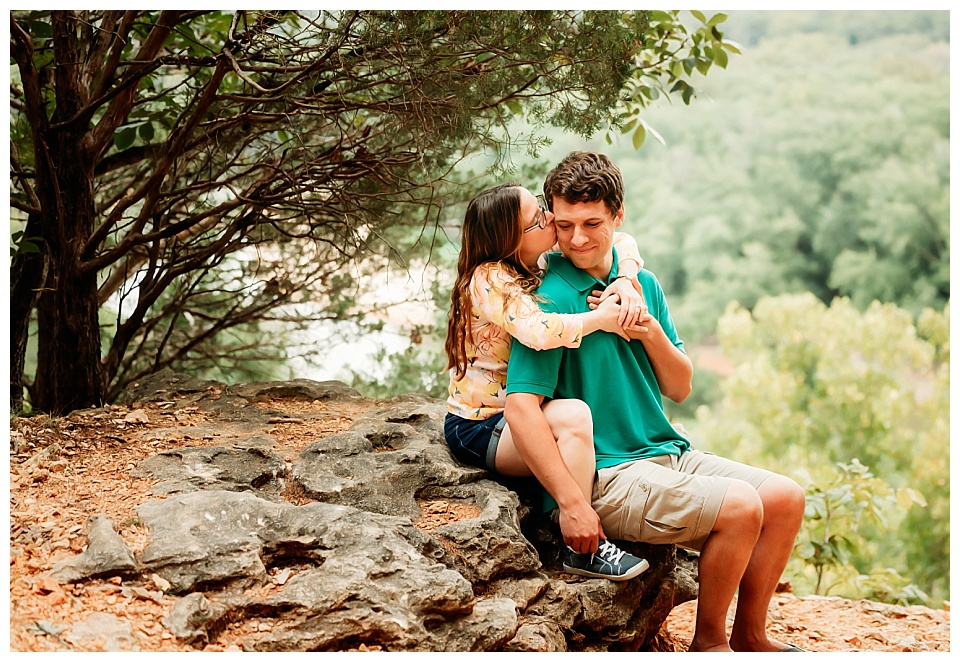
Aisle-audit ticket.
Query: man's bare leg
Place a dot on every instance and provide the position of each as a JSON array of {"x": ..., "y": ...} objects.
[
  {"x": 723, "y": 560},
  {"x": 783, "y": 503}
]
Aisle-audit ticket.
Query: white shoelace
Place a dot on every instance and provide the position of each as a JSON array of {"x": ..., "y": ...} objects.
[{"x": 610, "y": 552}]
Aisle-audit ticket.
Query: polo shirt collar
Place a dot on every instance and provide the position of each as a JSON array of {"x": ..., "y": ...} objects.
[{"x": 577, "y": 278}]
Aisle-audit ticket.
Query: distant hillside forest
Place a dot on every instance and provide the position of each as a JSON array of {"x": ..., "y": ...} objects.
[{"x": 817, "y": 161}]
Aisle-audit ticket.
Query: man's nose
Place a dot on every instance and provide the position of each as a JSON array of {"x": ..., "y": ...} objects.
[{"x": 579, "y": 236}]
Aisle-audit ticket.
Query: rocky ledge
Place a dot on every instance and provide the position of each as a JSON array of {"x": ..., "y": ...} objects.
[{"x": 356, "y": 564}]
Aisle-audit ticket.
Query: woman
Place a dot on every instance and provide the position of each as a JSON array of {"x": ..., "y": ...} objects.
[{"x": 506, "y": 230}]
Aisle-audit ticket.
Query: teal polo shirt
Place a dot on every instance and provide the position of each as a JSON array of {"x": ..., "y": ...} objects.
[{"x": 613, "y": 376}]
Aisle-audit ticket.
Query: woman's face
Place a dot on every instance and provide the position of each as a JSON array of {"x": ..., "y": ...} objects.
[{"x": 539, "y": 233}]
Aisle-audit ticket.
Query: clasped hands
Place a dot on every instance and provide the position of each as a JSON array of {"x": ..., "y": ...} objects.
[{"x": 634, "y": 318}]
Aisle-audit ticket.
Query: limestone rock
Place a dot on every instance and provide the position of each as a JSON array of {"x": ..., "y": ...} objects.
[
  {"x": 205, "y": 539},
  {"x": 107, "y": 554},
  {"x": 362, "y": 582},
  {"x": 686, "y": 576},
  {"x": 491, "y": 624},
  {"x": 214, "y": 467},
  {"x": 538, "y": 635},
  {"x": 491, "y": 544},
  {"x": 559, "y": 603},
  {"x": 193, "y": 617},
  {"x": 165, "y": 385},
  {"x": 383, "y": 462},
  {"x": 306, "y": 389},
  {"x": 105, "y": 632}
]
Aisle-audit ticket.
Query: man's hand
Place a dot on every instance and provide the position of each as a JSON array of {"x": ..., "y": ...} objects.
[
  {"x": 581, "y": 529},
  {"x": 627, "y": 290},
  {"x": 644, "y": 329}
]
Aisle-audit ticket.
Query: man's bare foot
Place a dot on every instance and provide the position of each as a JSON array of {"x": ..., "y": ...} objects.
[
  {"x": 719, "y": 648},
  {"x": 764, "y": 646}
]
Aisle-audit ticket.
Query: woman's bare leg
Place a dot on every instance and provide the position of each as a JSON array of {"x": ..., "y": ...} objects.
[
  {"x": 572, "y": 427},
  {"x": 566, "y": 470}
]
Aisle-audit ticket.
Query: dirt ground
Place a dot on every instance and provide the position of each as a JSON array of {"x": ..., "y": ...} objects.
[{"x": 64, "y": 470}]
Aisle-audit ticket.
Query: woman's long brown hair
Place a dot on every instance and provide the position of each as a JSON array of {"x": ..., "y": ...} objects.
[{"x": 491, "y": 233}]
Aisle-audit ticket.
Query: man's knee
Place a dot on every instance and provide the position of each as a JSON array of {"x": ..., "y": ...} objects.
[
  {"x": 783, "y": 499},
  {"x": 741, "y": 510}
]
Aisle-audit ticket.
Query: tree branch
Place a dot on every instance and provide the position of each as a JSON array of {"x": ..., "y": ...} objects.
[
  {"x": 149, "y": 190},
  {"x": 101, "y": 136},
  {"x": 97, "y": 69}
]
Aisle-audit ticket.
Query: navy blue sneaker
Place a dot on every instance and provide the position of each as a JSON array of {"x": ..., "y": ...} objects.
[{"x": 610, "y": 562}]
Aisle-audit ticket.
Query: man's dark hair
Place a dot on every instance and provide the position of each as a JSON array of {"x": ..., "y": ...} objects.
[{"x": 585, "y": 177}]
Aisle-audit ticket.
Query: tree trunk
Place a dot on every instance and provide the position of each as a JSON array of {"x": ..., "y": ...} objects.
[
  {"x": 69, "y": 374},
  {"x": 27, "y": 275},
  {"x": 69, "y": 371}
]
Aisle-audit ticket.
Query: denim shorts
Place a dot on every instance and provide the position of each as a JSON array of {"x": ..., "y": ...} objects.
[{"x": 474, "y": 442}]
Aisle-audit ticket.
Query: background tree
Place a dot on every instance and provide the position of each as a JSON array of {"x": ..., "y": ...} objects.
[
  {"x": 186, "y": 173},
  {"x": 819, "y": 386}
]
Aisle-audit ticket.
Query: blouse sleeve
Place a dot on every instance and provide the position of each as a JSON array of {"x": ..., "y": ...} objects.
[
  {"x": 500, "y": 300},
  {"x": 627, "y": 248}
]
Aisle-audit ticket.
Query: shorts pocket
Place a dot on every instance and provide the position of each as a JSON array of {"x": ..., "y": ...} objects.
[{"x": 670, "y": 516}]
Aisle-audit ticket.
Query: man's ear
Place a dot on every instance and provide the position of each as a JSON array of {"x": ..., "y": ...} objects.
[{"x": 618, "y": 217}]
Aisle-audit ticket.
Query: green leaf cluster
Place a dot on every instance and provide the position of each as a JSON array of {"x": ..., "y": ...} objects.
[
  {"x": 818, "y": 386},
  {"x": 835, "y": 518},
  {"x": 653, "y": 76},
  {"x": 22, "y": 244}
]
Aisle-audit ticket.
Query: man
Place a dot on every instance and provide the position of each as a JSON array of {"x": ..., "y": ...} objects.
[{"x": 651, "y": 486}]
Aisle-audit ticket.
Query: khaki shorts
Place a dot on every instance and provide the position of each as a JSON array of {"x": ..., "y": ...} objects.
[{"x": 667, "y": 499}]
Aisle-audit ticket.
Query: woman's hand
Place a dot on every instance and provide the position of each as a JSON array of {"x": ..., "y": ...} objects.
[
  {"x": 628, "y": 292},
  {"x": 608, "y": 313}
]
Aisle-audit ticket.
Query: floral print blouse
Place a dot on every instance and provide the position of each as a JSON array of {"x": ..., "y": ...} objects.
[{"x": 481, "y": 392}]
